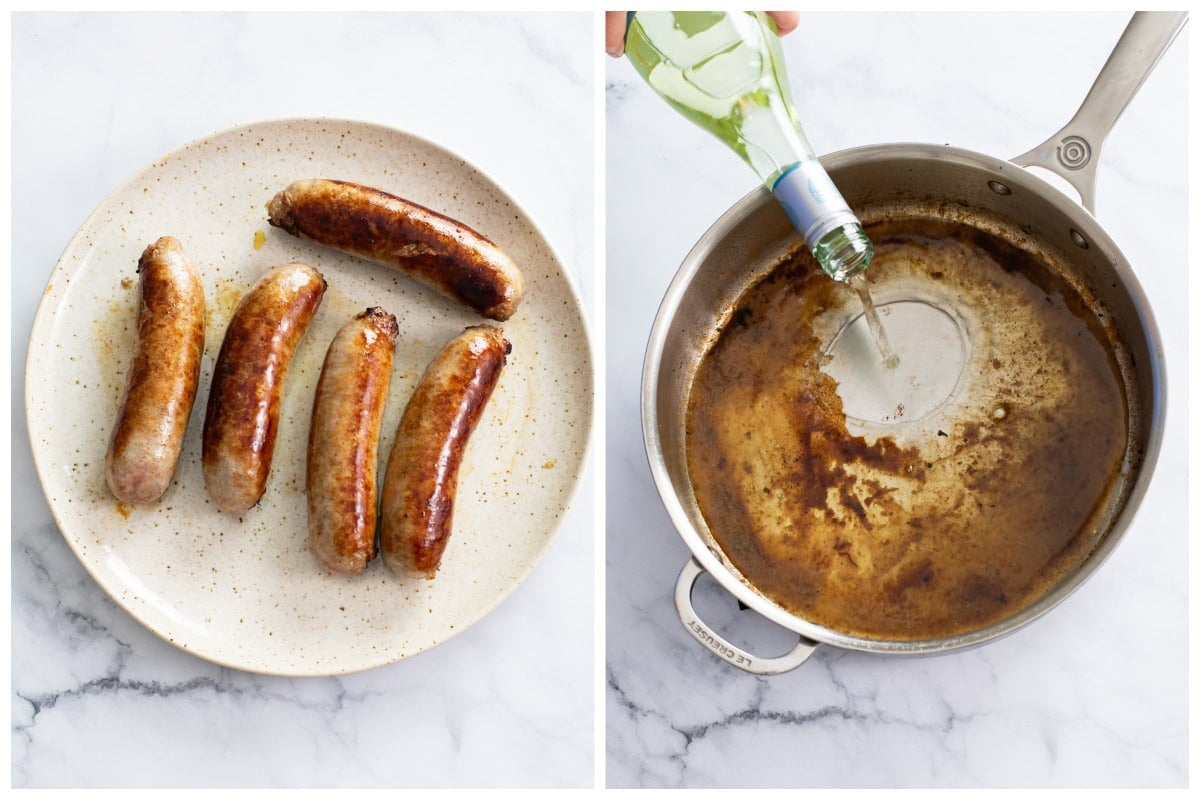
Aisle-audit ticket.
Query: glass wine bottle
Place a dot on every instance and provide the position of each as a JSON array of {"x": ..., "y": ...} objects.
[{"x": 724, "y": 71}]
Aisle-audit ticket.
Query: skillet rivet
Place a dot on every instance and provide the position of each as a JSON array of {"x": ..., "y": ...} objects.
[
  {"x": 999, "y": 188},
  {"x": 1078, "y": 239}
]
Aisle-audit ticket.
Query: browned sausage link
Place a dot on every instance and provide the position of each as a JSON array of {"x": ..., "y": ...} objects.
[
  {"x": 436, "y": 250},
  {"x": 343, "y": 442},
  {"x": 422, "y": 471},
  {"x": 247, "y": 386},
  {"x": 161, "y": 387}
]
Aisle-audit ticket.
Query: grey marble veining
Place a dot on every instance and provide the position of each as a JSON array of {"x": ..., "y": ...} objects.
[{"x": 97, "y": 699}]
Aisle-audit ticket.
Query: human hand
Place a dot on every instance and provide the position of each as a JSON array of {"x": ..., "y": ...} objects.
[{"x": 614, "y": 28}]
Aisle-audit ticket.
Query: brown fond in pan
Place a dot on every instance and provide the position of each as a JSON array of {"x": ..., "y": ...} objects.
[{"x": 907, "y": 528}]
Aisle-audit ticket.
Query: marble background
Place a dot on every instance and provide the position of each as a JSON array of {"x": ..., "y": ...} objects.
[
  {"x": 97, "y": 700},
  {"x": 1093, "y": 694}
]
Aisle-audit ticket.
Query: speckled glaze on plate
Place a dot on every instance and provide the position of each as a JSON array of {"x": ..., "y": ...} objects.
[{"x": 245, "y": 591}]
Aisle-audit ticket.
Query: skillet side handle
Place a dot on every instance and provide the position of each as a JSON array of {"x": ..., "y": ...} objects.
[
  {"x": 1073, "y": 152},
  {"x": 710, "y": 639}
]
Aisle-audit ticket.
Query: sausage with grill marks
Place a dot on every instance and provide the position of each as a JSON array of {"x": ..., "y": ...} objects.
[
  {"x": 434, "y": 249},
  {"x": 421, "y": 481},
  {"x": 160, "y": 389},
  {"x": 343, "y": 442},
  {"x": 242, "y": 418}
]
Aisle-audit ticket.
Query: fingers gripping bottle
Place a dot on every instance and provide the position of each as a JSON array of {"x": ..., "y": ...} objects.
[{"x": 724, "y": 71}]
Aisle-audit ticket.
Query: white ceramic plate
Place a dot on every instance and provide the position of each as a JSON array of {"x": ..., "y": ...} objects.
[{"x": 246, "y": 592}]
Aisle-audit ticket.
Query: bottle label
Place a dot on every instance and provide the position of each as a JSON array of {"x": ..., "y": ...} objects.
[{"x": 812, "y": 202}]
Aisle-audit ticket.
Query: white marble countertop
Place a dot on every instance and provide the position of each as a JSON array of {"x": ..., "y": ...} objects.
[
  {"x": 98, "y": 700},
  {"x": 1093, "y": 694}
]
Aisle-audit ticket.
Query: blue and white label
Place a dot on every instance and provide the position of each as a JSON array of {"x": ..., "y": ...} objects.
[{"x": 812, "y": 202}]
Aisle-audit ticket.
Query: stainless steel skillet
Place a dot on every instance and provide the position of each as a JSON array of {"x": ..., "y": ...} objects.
[{"x": 964, "y": 185}]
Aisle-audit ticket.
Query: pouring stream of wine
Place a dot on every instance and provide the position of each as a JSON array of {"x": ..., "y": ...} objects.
[{"x": 859, "y": 283}]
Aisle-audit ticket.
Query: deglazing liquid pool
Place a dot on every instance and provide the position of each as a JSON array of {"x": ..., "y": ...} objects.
[{"x": 922, "y": 501}]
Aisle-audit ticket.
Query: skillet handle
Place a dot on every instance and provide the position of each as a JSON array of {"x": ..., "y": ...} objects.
[
  {"x": 734, "y": 655},
  {"x": 1073, "y": 152}
]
